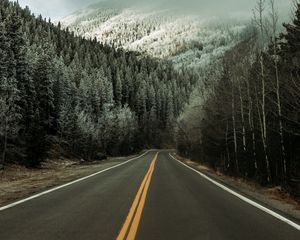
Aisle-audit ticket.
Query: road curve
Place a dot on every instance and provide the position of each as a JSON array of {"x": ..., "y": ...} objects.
[{"x": 151, "y": 198}]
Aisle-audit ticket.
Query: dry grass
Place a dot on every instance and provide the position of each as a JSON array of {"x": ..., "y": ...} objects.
[{"x": 18, "y": 182}]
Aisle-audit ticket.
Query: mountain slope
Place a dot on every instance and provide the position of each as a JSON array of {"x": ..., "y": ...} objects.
[
  {"x": 60, "y": 89},
  {"x": 165, "y": 33}
]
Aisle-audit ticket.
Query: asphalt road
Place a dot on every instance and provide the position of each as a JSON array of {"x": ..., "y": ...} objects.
[{"x": 150, "y": 198}]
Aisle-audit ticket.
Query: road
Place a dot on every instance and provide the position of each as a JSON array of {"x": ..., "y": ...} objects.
[{"x": 153, "y": 197}]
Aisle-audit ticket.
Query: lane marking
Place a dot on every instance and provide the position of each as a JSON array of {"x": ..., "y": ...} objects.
[
  {"x": 243, "y": 198},
  {"x": 70, "y": 183},
  {"x": 136, "y": 221},
  {"x": 137, "y": 207},
  {"x": 132, "y": 210}
]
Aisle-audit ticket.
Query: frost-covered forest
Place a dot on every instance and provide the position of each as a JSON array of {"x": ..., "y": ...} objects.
[
  {"x": 243, "y": 118},
  {"x": 184, "y": 39},
  {"x": 60, "y": 89},
  {"x": 113, "y": 80}
]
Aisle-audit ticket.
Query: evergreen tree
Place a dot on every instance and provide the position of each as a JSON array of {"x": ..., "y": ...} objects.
[
  {"x": 9, "y": 115},
  {"x": 290, "y": 46},
  {"x": 44, "y": 88},
  {"x": 87, "y": 96},
  {"x": 118, "y": 89},
  {"x": 36, "y": 145}
]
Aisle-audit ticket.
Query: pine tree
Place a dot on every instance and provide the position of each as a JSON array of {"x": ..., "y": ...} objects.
[
  {"x": 3, "y": 79},
  {"x": 44, "y": 89},
  {"x": 18, "y": 48},
  {"x": 290, "y": 44},
  {"x": 118, "y": 89},
  {"x": 36, "y": 145},
  {"x": 128, "y": 86},
  {"x": 4, "y": 46},
  {"x": 9, "y": 115},
  {"x": 141, "y": 106},
  {"x": 56, "y": 82}
]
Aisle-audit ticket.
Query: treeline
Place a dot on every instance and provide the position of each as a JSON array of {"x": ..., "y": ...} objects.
[
  {"x": 248, "y": 124},
  {"x": 57, "y": 88}
]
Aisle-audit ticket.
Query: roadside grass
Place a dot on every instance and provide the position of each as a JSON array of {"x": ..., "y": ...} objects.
[{"x": 17, "y": 182}]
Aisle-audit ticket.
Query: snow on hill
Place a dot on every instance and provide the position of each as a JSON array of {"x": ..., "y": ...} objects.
[{"x": 167, "y": 34}]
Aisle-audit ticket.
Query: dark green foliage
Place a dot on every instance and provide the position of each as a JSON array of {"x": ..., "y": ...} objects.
[
  {"x": 88, "y": 97},
  {"x": 36, "y": 144},
  {"x": 290, "y": 47}
]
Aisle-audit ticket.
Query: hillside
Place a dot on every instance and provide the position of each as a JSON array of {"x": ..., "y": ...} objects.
[
  {"x": 188, "y": 39},
  {"x": 57, "y": 88}
]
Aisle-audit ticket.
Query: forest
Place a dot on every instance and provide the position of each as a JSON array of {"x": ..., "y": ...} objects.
[
  {"x": 239, "y": 115},
  {"x": 247, "y": 123},
  {"x": 58, "y": 89},
  {"x": 152, "y": 120}
]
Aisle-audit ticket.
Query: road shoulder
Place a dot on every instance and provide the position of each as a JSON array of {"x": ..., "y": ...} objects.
[
  {"x": 18, "y": 182},
  {"x": 273, "y": 198}
]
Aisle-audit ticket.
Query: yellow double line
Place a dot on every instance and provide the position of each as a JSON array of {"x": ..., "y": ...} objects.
[{"x": 131, "y": 224}]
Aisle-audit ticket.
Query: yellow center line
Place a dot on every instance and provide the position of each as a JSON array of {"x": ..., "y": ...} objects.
[{"x": 137, "y": 207}]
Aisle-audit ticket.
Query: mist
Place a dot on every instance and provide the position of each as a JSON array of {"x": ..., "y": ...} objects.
[{"x": 56, "y": 9}]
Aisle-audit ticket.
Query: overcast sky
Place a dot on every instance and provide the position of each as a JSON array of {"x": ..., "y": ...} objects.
[
  {"x": 55, "y": 8},
  {"x": 60, "y": 8}
]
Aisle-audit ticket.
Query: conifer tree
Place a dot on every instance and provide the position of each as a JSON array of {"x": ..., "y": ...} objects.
[
  {"x": 55, "y": 85},
  {"x": 9, "y": 114},
  {"x": 44, "y": 89},
  {"x": 290, "y": 46},
  {"x": 118, "y": 89}
]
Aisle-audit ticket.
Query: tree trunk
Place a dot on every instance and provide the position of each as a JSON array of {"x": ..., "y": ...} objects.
[
  {"x": 281, "y": 133},
  {"x": 274, "y": 19},
  {"x": 5, "y": 145},
  {"x": 243, "y": 123},
  {"x": 251, "y": 125},
  {"x": 259, "y": 109},
  {"x": 243, "y": 118},
  {"x": 226, "y": 142},
  {"x": 234, "y": 130},
  {"x": 264, "y": 118}
]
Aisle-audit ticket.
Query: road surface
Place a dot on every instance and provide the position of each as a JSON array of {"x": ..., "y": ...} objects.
[{"x": 153, "y": 197}]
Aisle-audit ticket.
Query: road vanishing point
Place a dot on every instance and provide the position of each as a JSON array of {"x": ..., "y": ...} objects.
[{"x": 150, "y": 197}]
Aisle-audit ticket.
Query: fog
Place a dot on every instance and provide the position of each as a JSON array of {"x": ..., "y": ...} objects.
[
  {"x": 55, "y": 8},
  {"x": 59, "y": 8}
]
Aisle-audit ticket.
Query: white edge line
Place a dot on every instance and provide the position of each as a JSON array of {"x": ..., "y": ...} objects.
[
  {"x": 68, "y": 184},
  {"x": 243, "y": 198}
]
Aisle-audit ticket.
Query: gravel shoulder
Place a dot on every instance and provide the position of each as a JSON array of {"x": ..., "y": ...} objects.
[
  {"x": 274, "y": 198},
  {"x": 17, "y": 182}
]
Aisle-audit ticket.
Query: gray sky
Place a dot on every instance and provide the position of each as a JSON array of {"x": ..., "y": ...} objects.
[
  {"x": 60, "y": 8},
  {"x": 55, "y": 8}
]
